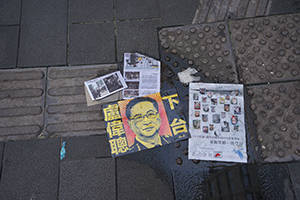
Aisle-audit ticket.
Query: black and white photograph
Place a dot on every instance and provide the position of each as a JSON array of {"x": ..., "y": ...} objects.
[
  {"x": 98, "y": 90},
  {"x": 225, "y": 126},
  {"x": 213, "y": 109},
  {"x": 216, "y": 118},
  {"x": 103, "y": 86},
  {"x": 205, "y": 107},
  {"x": 113, "y": 83}
]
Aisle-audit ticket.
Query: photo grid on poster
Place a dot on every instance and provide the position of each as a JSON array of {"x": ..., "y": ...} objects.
[
  {"x": 217, "y": 122},
  {"x": 142, "y": 75}
]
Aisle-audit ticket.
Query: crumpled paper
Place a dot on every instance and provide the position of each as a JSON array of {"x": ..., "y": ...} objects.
[{"x": 186, "y": 75}]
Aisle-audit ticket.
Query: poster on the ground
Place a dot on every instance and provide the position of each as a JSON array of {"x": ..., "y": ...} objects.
[
  {"x": 146, "y": 122},
  {"x": 103, "y": 86},
  {"x": 217, "y": 122},
  {"x": 142, "y": 75}
]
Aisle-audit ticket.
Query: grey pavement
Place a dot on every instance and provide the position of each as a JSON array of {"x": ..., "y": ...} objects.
[{"x": 49, "y": 48}]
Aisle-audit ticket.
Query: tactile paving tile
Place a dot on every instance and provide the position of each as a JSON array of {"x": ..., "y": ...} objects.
[
  {"x": 272, "y": 113},
  {"x": 211, "y": 11},
  {"x": 67, "y": 113},
  {"x": 22, "y": 95},
  {"x": 207, "y": 46},
  {"x": 267, "y": 49}
]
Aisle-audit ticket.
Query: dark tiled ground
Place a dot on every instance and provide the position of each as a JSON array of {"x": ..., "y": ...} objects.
[
  {"x": 93, "y": 11},
  {"x": 131, "y": 39},
  {"x": 30, "y": 169},
  {"x": 88, "y": 179},
  {"x": 9, "y": 36},
  {"x": 95, "y": 146},
  {"x": 43, "y": 35},
  {"x": 60, "y": 33},
  {"x": 10, "y": 12},
  {"x": 86, "y": 47}
]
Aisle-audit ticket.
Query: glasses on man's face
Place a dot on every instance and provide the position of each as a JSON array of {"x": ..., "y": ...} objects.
[{"x": 149, "y": 115}]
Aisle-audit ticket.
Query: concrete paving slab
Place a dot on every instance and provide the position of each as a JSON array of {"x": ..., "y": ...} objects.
[
  {"x": 22, "y": 96},
  {"x": 10, "y": 12},
  {"x": 86, "y": 147},
  {"x": 236, "y": 182},
  {"x": 295, "y": 177},
  {"x": 283, "y": 7},
  {"x": 275, "y": 181},
  {"x": 137, "y": 36},
  {"x": 137, "y": 9},
  {"x": 187, "y": 184},
  {"x": 272, "y": 113},
  {"x": 67, "y": 113},
  {"x": 30, "y": 169},
  {"x": 1, "y": 152},
  {"x": 211, "y": 11},
  {"x": 43, "y": 36},
  {"x": 93, "y": 11},
  {"x": 88, "y": 179},
  {"x": 207, "y": 46},
  {"x": 139, "y": 181},
  {"x": 177, "y": 12},
  {"x": 91, "y": 43},
  {"x": 267, "y": 48},
  {"x": 9, "y": 37}
]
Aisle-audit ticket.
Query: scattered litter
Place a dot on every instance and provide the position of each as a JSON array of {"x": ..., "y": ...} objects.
[
  {"x": 63, "y": 151},
  {"x": 142, "y": 75},
  {"x": 186, "y": 75},
  {"x": 217, "y": 122},
  {"x": 104, "y": 86},
  {"x": 144, "y": 122}
]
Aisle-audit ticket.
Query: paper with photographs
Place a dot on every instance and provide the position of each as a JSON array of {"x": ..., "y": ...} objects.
[
  {"x": 103, "y": 86},
  {"x": 144, "y": 122},
  {"x": 217, "y": 122},
  {"x": 142, "y": 75}
]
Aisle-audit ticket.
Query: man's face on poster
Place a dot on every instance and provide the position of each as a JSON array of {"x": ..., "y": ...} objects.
[{"x": 144, "y": 119}]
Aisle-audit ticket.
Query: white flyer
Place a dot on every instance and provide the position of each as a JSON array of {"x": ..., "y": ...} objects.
[
  {"x": 103, "y": 86},
  {"x": 142, "y": 75},
  {"x": 217, "y": 122}
]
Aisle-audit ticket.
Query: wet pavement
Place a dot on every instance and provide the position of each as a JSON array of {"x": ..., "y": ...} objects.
[{"x": 50, "y": 48}]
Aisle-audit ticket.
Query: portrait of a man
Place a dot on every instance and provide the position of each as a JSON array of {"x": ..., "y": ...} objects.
[{"x": 145, "y": 121}]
